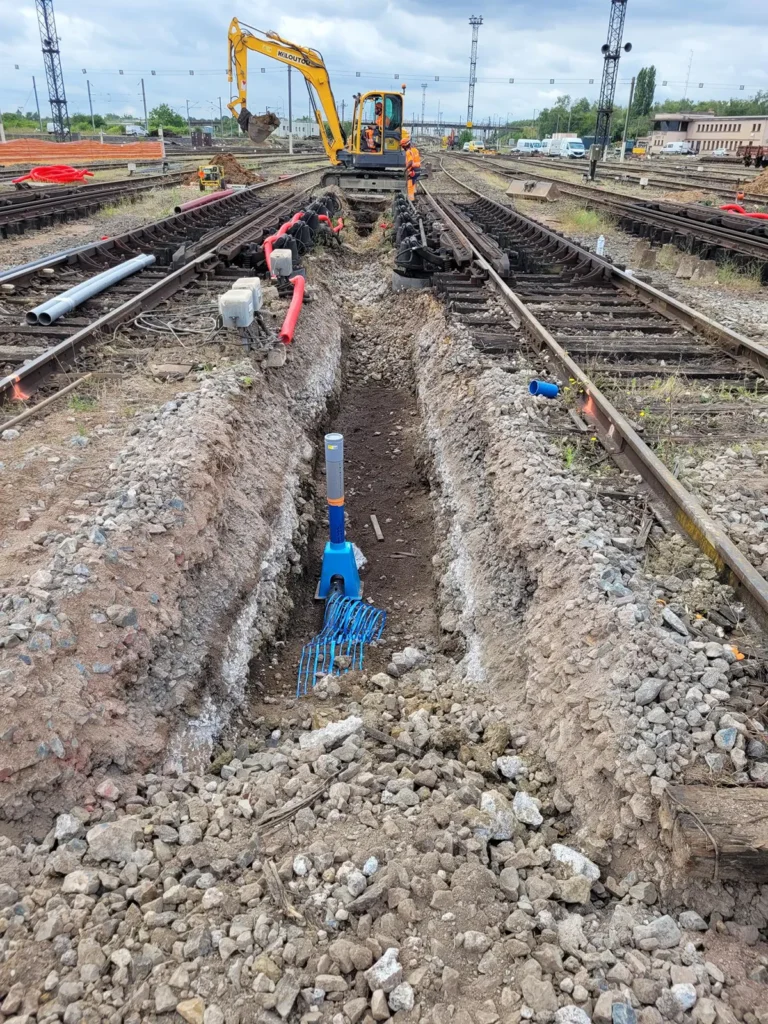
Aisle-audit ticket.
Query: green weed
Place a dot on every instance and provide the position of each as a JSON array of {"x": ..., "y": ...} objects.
[
  {"x": 82, "y": 403},
  {"x": 743, "y": 279}
]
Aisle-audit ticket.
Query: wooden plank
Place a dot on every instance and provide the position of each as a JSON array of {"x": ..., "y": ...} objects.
[
  {"x": 718, "y": 832},
  {"x": 377, "y": 528}
]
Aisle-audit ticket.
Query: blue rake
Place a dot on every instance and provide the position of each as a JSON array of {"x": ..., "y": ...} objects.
[{"x": 348, "y": 626}]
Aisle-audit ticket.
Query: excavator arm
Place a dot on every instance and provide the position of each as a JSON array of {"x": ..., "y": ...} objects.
[{"x": 307, "y": 62}]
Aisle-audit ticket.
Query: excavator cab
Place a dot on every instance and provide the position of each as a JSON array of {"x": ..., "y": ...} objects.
[{"x": 377, "y": 123}]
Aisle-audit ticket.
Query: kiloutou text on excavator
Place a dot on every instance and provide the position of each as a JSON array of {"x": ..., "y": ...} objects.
[{"x": 371, "y": 159}]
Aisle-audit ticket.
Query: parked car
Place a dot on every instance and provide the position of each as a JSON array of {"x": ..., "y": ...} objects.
[
  {"x": 722, "y": 152},
  {"x": 136, "y": 129}
]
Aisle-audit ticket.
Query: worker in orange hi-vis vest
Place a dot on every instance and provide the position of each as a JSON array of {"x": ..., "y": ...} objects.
[{"x": 412, "y": 165}]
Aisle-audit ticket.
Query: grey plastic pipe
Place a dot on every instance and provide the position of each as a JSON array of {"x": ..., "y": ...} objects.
[{"x": 50, "y": 311}]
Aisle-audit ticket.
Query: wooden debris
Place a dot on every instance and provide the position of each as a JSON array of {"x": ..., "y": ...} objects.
[
  {"x": 377, "y": 528},
  {"x": 718, "y": 832},
  {"x": 645, "y": 529},
  {"x": 384, "y": 737}
]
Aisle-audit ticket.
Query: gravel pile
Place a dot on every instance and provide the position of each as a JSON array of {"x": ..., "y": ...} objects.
[{"x": 334, "y": 874}]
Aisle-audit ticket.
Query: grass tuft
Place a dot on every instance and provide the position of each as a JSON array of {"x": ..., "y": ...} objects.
[{"x": 585, "y": 222}]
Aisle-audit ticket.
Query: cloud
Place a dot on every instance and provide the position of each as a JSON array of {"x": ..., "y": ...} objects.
[{"x": 417, "y": 40}]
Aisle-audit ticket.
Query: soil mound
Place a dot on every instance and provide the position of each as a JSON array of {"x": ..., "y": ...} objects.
[{"x": 233, "y": 171}]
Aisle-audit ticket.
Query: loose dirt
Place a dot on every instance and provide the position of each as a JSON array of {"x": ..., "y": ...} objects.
[{"x": 233, "y": 171}]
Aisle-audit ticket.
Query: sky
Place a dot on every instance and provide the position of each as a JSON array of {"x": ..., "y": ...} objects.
[{"x": 389, "y": 43}]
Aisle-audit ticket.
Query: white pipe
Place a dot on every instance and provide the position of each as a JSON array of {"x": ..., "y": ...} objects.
[{"x": 50, "y": 311}]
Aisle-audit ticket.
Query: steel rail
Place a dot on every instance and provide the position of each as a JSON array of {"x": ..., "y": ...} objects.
[
  {"x": 119, "y": 245},
  {"x": 622, "y": 441},
  {"x": 661, "y": 178},
  {"x": 750, "y": 245},
  {"x": 28, "y": 377}
]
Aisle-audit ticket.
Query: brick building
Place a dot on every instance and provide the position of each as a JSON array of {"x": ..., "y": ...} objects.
[{"x": 706, "y": 132}]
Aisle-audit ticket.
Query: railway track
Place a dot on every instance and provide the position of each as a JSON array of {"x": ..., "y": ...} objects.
[
  {"x": 622, "y": 347},
  {"x": 188, "y": 247},
  {"x": 703, "y": 231},
  {"x": 718, "y": 185},
  {"x": 31, "y": 209}
]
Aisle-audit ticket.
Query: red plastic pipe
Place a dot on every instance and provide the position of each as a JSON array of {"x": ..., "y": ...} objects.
[
  {"x": 324, "y": 217},
  {"x": 270, "y": 242},
  {"x": 204, "y": 200},
  {"x": 292, "y": 316},
  {"x": 735, "y": 208},
  {"x": 56, "y": 174}
]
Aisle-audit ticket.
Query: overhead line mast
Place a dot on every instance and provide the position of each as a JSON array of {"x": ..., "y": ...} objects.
[
  {"x": 52, "y": 60},
  {"x": 611, "y": 51}
]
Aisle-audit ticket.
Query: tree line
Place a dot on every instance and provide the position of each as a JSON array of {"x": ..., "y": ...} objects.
[{"x": 580, "y": 116}]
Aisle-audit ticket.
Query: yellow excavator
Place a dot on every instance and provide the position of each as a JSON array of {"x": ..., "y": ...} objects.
[{"x": 371, "y": 159}]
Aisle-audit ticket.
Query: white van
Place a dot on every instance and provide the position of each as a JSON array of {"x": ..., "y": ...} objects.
[
  {"x": 530, "y": 146},
  {"x": 676, "y": 149},
  {"x": 136, "y": 129},
  {"x": 571, "y": 148}
]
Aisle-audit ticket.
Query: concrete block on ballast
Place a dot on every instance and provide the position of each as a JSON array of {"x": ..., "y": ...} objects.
[
  {"x": 236, "y": 307},
  {"x": 281, "y": 262},
  {"x": 705, "y": 272},
  {"x": 406, "y": 284},
  {"x": 254, "y": 283}
]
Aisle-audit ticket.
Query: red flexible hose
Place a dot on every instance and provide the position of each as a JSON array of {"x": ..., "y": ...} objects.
[
  {"x": 56, "y": 174},
  {"x": 733, "y": 208},
  {"x": 292, "y": 316},
  {"x": 269, "y": 243},
  {"x": 339, "y": 226},
  {"x": 327, "y": 220}
]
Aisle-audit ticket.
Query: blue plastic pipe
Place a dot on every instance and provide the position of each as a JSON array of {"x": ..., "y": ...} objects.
[{"x": 544, "y": 388}]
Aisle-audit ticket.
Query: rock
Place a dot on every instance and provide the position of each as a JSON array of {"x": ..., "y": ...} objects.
[
  {"x": 214, "y": 1015},
  {"x": 690, "y": 921},
  {"x": 570, "y": 934},
  {"x": 496, "y": 738},
  {"x": 331, "y": 735},
  {"x": 82, "y": 881},
  {"x": 122, "y": 615},
  {"x": 623, "y": 1013},
  {"x": 67, "y": 827},
  {"x": 476, "y": 942},
  {"x": 191, "y": 1010},
  {"x": 114, "y": 840},
  {"x": 684, "y": 995},
  {"x": 8, "y": 896},
  {"x": 107, "y": 790},
  {"x": 355, "y": 1009},
  {"x": 511, "y": 767},
  {"x": 725, "y": 739},
  {"x": 661, "y": 933},
  {"x": 509, "y": 880},
  {"x": 538, "y": 994},
  {"x": 648, "y": 691},
  {"x": 286, "y": 993},
  {"x": 401, "y": 997},
  {"x": 10, "y": 434},
  {"x": 386, "y": 974},
  {"x": 647, "y": 990},
  {"x": 165, "y": 999},
  {"x": 497, "y": 820},
  {"x": 674, "y": 621},
  {"x": 576, "y": 889},
  {"x": 571, "y": 1015},
  {"x": 526, "y": 810},
  {"x": 379, "y": 1006},
  {"x": 602, "y": 1012},
  {"x": 574, "y": 861}
]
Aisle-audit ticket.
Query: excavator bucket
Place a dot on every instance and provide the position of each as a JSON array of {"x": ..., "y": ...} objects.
[
  {"x": 257, "y": 126},
  {"x": 544, "y": 190}
]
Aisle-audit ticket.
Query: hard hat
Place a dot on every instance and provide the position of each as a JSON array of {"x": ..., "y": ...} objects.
[{"x": 405, "y": 138}]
